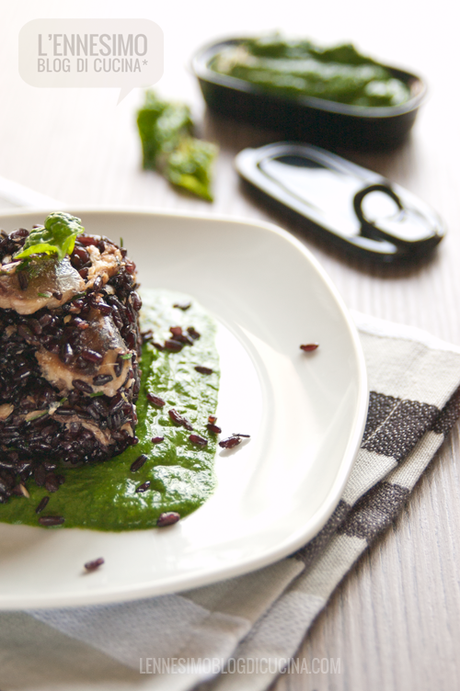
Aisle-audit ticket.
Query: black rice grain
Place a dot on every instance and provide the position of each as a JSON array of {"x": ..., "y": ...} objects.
[
  {"x": 19, "y": 234},
  {"x": 147, "y": 336},
  {"x": 66, "y": 353},
  {"x": 102, "y": 379},
  {"x": 82, "y": 386},
  {"x": 155, "y": 400},
  {"x": 95, "y": 564},
  {"x": 179, "y": 420},
  {"x": 144, "y": 487},
  {"x": 136, "y": 301},
  {"x": 39, "y": 475},
  {"x": 42, "y": 504},
  {"x": 196, "y": 439},
  {"x": 183, "y": 305},
  {"x": 309, "y": 347},
  {"x": 91, "y": 356},
  {"x": 51, "y": 520},
  {"x": 203, "y": 370},
  {"x": 193, "y": 333},
  {"x": 138, "y": 463},
  {"x": 23, "y": 280},
  {"x": 173, "y": 346},
  {"x": 230, "y": 443},
  {"x": 51, "y": 483},
  {"x": 167, "y": 518}
]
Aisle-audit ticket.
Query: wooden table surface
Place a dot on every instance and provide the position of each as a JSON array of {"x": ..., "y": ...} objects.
[{"x": 395, "y": 620}]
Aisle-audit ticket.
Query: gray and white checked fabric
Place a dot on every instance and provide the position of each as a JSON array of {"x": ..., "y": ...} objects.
[{"x": 414, "y": 401}]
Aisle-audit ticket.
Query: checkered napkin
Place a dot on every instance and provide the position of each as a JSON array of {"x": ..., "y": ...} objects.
[{"x": 197, "y": 638}]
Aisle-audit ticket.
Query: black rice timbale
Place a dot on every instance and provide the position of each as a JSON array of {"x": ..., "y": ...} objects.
[{"x": 69, "y": 374}]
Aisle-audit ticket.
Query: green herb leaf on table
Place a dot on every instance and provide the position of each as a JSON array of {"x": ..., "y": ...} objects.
[
  {"x": 166, "y": 131},
  {"x": 189, "y": 166}
]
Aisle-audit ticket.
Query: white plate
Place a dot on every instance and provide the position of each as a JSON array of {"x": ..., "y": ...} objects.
[{"x": 305, "y": 413}]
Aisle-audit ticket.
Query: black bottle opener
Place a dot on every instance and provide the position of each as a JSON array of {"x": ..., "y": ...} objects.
[{"x": 357, "y": 209}]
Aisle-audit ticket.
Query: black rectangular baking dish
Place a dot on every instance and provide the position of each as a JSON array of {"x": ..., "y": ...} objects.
[{"x": 327, "y": 123}]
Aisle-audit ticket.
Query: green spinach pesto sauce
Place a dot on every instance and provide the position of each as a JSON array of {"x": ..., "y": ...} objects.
[
  {"x": 103, "y": 496},
  {"x": 300, "y": 68}
]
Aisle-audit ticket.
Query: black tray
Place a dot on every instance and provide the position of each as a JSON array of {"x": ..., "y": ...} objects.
[
  {"x": 313, "y": 120},
  {"x": 336, "y": 199}
]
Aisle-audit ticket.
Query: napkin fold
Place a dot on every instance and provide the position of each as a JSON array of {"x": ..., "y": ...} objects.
[{"x": 242, "y": 632}]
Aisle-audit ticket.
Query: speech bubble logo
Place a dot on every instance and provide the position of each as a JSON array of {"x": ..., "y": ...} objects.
[{"x": 99, "y": 53}]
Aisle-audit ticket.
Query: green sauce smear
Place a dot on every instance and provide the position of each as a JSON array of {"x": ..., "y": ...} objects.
[
  {"x": 103, "y": 496},
  {"x": 297, "y": 68}
]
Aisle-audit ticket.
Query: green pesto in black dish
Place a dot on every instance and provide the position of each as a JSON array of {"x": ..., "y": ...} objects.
[
  {"x": 178, "y": 475},
  {"x": 299, "y": 68}
]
